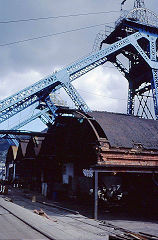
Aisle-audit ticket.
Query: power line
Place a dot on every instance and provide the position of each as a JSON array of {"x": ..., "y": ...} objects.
[
  {"x": 55, "y": 17},
  {"x": 108, "y": 67},
  {"x": 51, "y": 34},
  {"x": 121, "y": 99}
]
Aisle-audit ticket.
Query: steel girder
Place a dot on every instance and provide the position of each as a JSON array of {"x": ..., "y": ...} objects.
[
  {"x": 119, "y": 65},
  {"x": 154, "y": 85},
  {"x": 76, "y": 98},
  {"x": 130, "y": 102},
  {"x": 146, "y": 57},
  {"x": 28, "y": 96},
  {"x": 12, "y": 140},
  {"x": 8, "y": 112},
  {"x": 63, "y": 78},
  {"x": 46, "y": 119},
  {"x": 50, "y": 105},
  {"x": 152, "y": 63},
  {"x": 42, "y": 115},
  {"x": 143, "y": 109},
  {"x": 43, "y": 112},
  {"x": 139, "y": 4}
]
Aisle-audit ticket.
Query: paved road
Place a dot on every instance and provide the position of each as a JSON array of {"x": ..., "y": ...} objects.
[{"x": 12, "y": 228}]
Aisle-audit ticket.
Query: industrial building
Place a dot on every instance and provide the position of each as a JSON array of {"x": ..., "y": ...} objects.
[
  {"x": 122, "y": 149},
  {"x": 2, "y": 171},
  {"x": 116, "y": 155}
]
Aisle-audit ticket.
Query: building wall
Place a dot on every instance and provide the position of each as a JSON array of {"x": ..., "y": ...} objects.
[
  {"x": 74, "y": 143},
  {"x": 2, "y": 171}
]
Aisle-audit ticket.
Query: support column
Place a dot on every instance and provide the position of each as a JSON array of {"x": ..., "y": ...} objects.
[
  {"x": 152, "y": 48},
  {"x": 51, "y": 105},
  {"x": 95, "y": 194},
  {"x": 154, "y": 85},
  {"x": 130, "y": 104},
  {"x": 154, "y": 82},
  {"x": 76, "y": 98},
  {"x": 14, "y": 171}
]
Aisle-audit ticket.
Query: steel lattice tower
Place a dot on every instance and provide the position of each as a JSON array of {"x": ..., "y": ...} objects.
[
  {"x": 141, "y": 57},
  {"x": 139, "y": 4},
  {"x": 133, "y": 41}
]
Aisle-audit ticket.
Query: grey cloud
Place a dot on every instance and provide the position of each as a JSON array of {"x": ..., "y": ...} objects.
[
  {"x": 57, "y": 50},
  {"x": 43, "y": 56}
]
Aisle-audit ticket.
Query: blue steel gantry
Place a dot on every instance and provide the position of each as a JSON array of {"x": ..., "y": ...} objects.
[
  {"x": 135, "y": 37},
  {"x": 141, "y": 69}
]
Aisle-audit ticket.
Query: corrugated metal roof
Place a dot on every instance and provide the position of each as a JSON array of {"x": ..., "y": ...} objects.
[{"x": 126, "y": 131}]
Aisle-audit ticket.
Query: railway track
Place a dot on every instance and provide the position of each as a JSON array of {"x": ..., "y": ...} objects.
[
  {"x": 42, "y": 235},
  {"x": 12, "y": 227},
  {"x": 59, "y": 213}
]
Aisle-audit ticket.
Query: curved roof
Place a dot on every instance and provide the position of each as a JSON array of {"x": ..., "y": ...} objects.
[{"x": 126, "y": 131}]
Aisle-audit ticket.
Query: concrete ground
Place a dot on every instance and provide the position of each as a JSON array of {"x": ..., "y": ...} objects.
[
  {"x": 12, "y": 228},
  {"x": 82, "y": 226},
  {"x": 60, "y": 225}
]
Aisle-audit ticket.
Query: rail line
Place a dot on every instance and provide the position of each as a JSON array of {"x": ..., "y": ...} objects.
[
  {"x": 114, "y": 231},
  {"x": 25, "y": 222}
]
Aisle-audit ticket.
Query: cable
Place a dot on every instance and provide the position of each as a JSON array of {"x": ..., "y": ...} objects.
[
  {"x": 108, "y": 67},
  {"x": 55, "y": 17},
  {"x": 51, "y": 34},
  {"x": 122, "y": 99}
]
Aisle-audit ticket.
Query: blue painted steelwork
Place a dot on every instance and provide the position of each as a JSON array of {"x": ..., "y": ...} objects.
[
  {"x": 139, "y": 4},
  {"x": 154, "y": 84},
  {"x": 135, "y": 36},
  {"x": 142, "y": 70},
  {"x": 76, "y": 98},
  {"x": 51, "y": 105},
  {"x": 43, "y": 114},
  {"x": 12, "y": 140},
  {"x": 40, "y": 90}
]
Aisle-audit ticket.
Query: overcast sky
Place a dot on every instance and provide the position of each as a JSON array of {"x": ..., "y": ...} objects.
[{"x": 23, "y": 64}]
